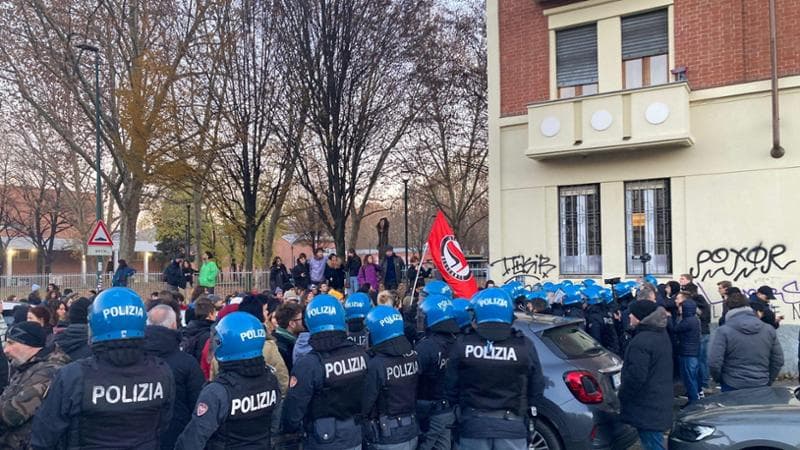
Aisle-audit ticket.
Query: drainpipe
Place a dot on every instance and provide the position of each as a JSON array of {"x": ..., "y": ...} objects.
[{"x": 777, "y": 151}]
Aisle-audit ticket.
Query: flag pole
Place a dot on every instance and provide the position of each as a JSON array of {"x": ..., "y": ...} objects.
[{"x": 421, "y": 261}]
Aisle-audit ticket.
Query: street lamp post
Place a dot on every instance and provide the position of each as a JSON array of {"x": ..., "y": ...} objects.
[
  {"x": 98, "y": 187},
  {"x": 188, "y": 231},
  {"x": 406, "y": 176}
]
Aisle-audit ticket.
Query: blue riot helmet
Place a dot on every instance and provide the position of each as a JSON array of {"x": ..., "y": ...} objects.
[
  {"x": 357, "y": 306},
  {"x": 514, "y": 289},
  {"x": 606, "y": 296},
  {"x": 588, "y": 282},
  {"x": 592, "y": 293},
  {"x": 566, "y": 283},
  {"x": 572, "y": 295},
  {"x": 117, "y": 313},
  {"x": 493, "y": 305},
  {"x": 462, "y": 312},
  {"x": 384, "y": 323},
  {"x": 622, "y": 288},
  {"x": 239, "y": 335},
  {"x": 325, "y": 313},
  {"x": 436, "y": 287},
  {"x": 549, "y": 287},
  {"x": 651, "y": 279},
  {"x": 435, "y": 309},
  {"x": 531, "y": 296}
]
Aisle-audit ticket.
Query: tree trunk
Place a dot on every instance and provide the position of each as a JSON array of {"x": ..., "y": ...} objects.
[
  {"x": 197, "y": 204},
  {"x": 129, "y": 215},
  {"x": 339, "y": 237},
  {"x": 249, "y": 245},
  {"x": 355, "y": 228}
]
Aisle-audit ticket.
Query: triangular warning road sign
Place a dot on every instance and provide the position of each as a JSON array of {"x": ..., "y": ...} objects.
[{"x": 100, "y": 236}]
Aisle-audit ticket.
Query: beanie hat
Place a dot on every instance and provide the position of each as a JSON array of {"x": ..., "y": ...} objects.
[
  {"x": 252, "y": 304},
  {"x": 642, "y": 308},
  {"x": 79, "y": 311},
  {"x": 28, "y": 333}
]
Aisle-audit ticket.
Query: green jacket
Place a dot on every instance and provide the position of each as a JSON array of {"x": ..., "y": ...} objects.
[
  {"x": 23, "y": 397},
  {"x": 208, "y": 274}
]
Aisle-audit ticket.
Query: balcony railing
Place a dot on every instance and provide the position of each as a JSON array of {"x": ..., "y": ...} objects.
[{"x": 651, "y": 117}]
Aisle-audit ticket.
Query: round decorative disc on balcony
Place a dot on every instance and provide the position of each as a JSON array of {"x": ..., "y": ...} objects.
[
  {"x": 656, "y": 113},
  {"x": 601, "y": 120},
  {"x": 550, "y": 126}
]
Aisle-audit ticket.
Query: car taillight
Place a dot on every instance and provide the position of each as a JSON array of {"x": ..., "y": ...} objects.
[{"x": 584, "y": 386}]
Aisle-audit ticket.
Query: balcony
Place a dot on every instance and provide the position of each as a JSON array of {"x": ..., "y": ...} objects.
[{"x": 651, "y": 117}]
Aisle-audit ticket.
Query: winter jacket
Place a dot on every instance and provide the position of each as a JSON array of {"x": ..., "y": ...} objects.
[
  {"x": 4, "y": 369},
  {"x": 194, "y": 337},
  {"x": 121, "y": 276},
  {"x": 705, "y": 313},
  {"x": 317, "y": 269},
  {"x": 23, "y": 396},
  {"x": 285, "y": 341},
  {"x": 335, "y": 276},
  {"x": 370, "y": 273},
  {"x": 399, "y": 267},
  {"x": 301, "y": 276},
  {"x": 352, "y": 265},
  {"x": 745, "y": 352},
  {"x": 301, "y": 346},
  {"x": 278, "y": 277},
  {"x": 767, "y": 314},
  {"x": 272, "y": 357},
  {"x": 646, "y": 392},
  {"x": 688, "y": 330},
  {"x": 208, "y": 274},
  {"x": 423, "y": 273},
  {"x": 173, "y": 275},
  {"x": 163, "y": 342},
  {"x": 74, "y": 341}
]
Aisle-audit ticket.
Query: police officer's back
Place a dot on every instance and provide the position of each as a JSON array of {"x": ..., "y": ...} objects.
[
  {"x": 323, "y": 398},
  {"x": 356, "y": 308},
  {"x": 494, "y": 376},
  {"x": 389, "y": 400},
  {"x": 118, "y": 398},
  {"x": 236, "y": 409},
  {"x": 438, "y": 314}
]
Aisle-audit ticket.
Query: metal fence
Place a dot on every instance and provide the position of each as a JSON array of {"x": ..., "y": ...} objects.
[{"x": 142, "y": 283}]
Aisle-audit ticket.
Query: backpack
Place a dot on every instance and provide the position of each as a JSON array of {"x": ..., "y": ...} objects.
[{"x": 194, "y": 344}]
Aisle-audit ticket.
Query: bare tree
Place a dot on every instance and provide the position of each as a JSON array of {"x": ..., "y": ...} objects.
[
  {"x": 449, "y": 140},
  {"x": 254, "y": 173},
  {"x": 349, "y": 61},
  {"x": 144, "y": 45}
]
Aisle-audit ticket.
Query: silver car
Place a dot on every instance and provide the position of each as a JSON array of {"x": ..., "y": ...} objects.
[
  {"x": 764, "y": 418},
  {"x": 582, "y": 378}
]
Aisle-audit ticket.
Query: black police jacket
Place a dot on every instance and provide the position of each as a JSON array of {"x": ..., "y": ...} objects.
[
  {"x": 432, "y": 353},
  {"x": 94, "y": 404},
  {"x": 323, "y": 397},
  {"x": 234, "y": 412},
  {"x": 390, "y": 392},
  {"x": 497, "y": 370}
]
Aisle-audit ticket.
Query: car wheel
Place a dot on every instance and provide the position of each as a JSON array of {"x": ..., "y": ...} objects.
[{"x": 543, "y": 437}]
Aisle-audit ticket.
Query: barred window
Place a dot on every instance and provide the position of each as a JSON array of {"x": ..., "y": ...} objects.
[
  {"x": 579, "y": 231},
  {"x": 648, "y": 225}
]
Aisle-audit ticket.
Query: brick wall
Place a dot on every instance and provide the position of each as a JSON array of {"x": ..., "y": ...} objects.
[{"x": 721, "y": 42}]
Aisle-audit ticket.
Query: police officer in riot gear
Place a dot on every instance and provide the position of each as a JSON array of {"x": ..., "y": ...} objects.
[
  {"x": 118, "y": 397},
  {"x": 389, "y": 400},
  {"x": 235, "y": 410},
  {"x": 436, "y": 287},
  {"x": 434, "y": 411},
  {"x": 462, "y": 313},
  {"x": 495, "y": 377},
  {"x": 356, "y": 308},
  {"x": 323, "y": 398}
]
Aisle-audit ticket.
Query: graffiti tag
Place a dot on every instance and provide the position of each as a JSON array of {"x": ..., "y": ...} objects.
[
  {"x": 737, "y": 263},
  {"x": 537, "y": 266}
]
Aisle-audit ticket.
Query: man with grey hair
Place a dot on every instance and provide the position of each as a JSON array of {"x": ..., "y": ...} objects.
[
  {"x": 162, "y": 339},
  {"x": 646, "y": 293}
]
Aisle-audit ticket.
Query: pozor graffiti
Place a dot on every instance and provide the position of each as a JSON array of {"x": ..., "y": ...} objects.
[
  {"x": 537, "y": 266},
  {"x": 737, "y": 263}
]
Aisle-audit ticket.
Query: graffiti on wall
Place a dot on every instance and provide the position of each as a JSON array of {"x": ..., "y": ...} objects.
[
  {"x": 736, "y": 263},
  {"x": 535, "y": 268},
  {"x": 786, "y": 303}
]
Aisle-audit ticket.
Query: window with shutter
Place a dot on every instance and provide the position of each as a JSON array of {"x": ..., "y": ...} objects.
[
  {"x": 576, "y": 61},
  {"x": 645, "y": 49}
]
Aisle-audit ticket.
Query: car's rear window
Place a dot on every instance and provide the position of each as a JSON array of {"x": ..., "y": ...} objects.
[{"x": 572, "y": 342}]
